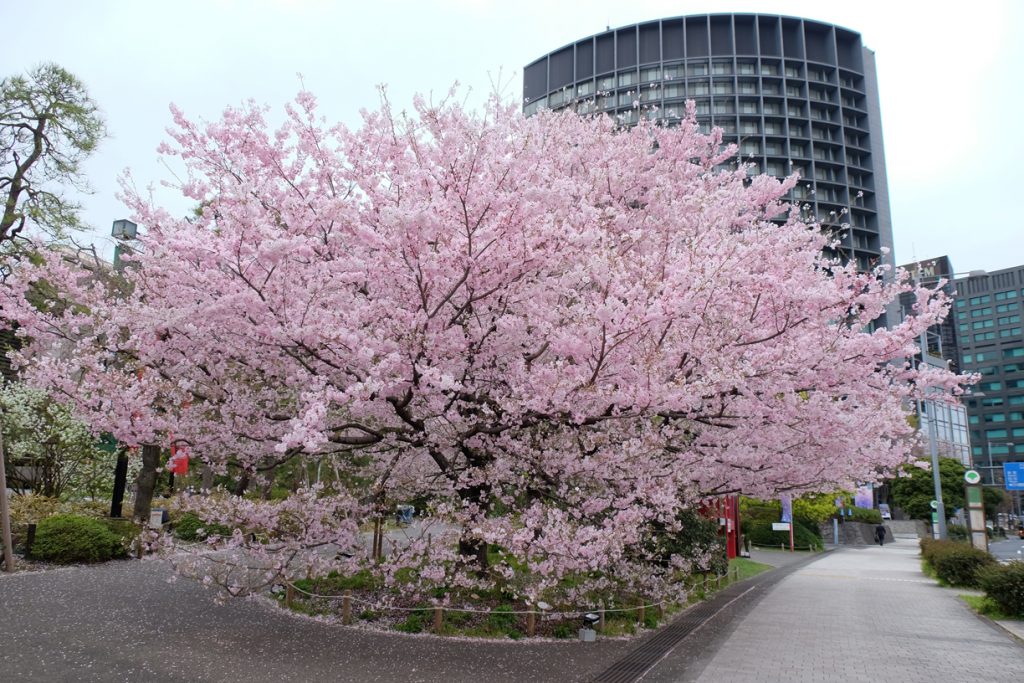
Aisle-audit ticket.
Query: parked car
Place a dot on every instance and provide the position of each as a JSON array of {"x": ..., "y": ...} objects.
[{"x": 884, "y": 509}]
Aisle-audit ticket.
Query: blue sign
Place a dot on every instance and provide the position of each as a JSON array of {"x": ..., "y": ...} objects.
[{"x": 1013, "y": 475}]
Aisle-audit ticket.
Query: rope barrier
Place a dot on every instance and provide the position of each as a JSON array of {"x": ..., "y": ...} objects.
[{"x": 470, "y": 610}]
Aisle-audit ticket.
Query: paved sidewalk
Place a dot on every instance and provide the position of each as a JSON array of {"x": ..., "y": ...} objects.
[
  {"x": 122, "y": 621},
  {"x": 857, "y": 614}
]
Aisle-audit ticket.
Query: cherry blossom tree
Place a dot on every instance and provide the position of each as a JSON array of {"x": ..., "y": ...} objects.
[{"x": 560, "y": 332}]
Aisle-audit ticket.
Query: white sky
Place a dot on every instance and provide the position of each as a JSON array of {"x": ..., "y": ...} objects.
[{"x": 949, "y": 76}]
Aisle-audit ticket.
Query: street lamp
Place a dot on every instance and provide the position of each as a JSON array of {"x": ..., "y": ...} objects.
[
  {"x": 122, "y": 230},
  {"x": 988, "y": 450},
  {"x": 932, "y": 442}
]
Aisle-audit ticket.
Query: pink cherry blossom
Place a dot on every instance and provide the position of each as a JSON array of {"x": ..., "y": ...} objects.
[{"x": 560, "y": 331}]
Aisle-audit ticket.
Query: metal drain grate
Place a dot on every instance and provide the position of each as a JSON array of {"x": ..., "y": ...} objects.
[{"x": 639, "y": 660}]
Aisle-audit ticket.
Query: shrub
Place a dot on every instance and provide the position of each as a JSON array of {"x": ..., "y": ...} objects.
[
  {"x": 1004, "y": 585},
  {"x": 66, "y": 539},
  {"x": 761, "y": 533},
  {"x": 955, "y": 563},
  {"x": 188, "y": 525},
  {"x": 866, "y": 515},
  {"x": 957, "y": 532}
]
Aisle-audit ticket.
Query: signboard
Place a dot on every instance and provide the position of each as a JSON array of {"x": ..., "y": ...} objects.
[
  {"x": 787, "y": 507},
  {"x": 865, "y": 497},
  {"x": 1013, "y": 475},
  {"x": 780, "y": 526},
  {"x": 972, "y": 477}
]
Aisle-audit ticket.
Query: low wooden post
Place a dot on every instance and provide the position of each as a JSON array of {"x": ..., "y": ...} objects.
[
  {"x": 640, "y": 614},
  {"x": 531, "y": 624},
  {"x": 346, "y": 607},
  {"x": 661, "y": 611},
  {"x": 438, "y": 612},
  {"x": 600, "y": 621},
  {"x": 30, "y": 539},
  {"x": 289, "y": 595}
]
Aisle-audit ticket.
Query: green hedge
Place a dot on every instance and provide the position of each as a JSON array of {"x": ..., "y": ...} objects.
[
  {"x": 761, "y": 533},
  {"x": 956, "y": 563},
  {"x": 866, "y": 515},
  {"x": 1004, "y": 584},
  {"x": 67, "y": 539},
  {"x": 188, "y": 525}
]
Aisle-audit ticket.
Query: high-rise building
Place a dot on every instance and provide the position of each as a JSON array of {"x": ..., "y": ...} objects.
[
  {"x": 990, "y": 335},
  {"x": 795, "y": 95}
]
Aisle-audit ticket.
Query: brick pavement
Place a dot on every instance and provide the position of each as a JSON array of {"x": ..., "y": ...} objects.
[{"x": 857, "y": 614}]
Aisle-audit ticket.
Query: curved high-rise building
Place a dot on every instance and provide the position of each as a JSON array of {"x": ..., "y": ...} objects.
[{"x": 794, "y": 94}]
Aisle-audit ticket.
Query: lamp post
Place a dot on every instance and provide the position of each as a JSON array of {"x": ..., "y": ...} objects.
[
  {"x": 122, "y": 231},
  {"x": 932, "y": 442}
]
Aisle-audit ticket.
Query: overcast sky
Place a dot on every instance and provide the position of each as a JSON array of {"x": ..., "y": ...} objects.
[{"x": 950, "y": 76}]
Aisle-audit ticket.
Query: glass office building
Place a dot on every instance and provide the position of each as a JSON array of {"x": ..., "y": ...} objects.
[
  {"x": 795, "y": 95},
  {"x": 987, "y": 314}
]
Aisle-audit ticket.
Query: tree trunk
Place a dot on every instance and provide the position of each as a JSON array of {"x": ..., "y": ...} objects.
[
  {"x": 243, "y": 484},
  {"x": 476, "y": 548},
  {"x": 120, "y": 481},
  {"x": 5, "y": 511},
  {"x": 207, "y": 479},
  {"x": 146, "y": 483}
]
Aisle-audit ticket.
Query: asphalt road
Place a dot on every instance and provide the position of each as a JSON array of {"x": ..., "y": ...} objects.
[{"x": 1010, "y": 549}]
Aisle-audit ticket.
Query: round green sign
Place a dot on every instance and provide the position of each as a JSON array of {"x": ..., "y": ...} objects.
[
  {"x": 935, "y": 505},
  {"x": 972, "y": 477}
]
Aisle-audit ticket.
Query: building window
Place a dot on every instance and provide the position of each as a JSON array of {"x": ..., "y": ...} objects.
[
  {"x": 992, "y": 402},
  {"x": 979, "y": 312},
  {"x": 797, "y": 149},
  {"x": 1014, "y": 353},
  {"x": 648, "y": 75},
  {"x": 1007, "y": 319},
  {"x": 995, "y": 417},
  {"x": 995, "y": 433},
  {"x": 792, "y": 71},
  {"x": 750, "y": 147},
  {"x": 750, "y": 127},
  {"x": 697, "y": 69},
  {"x": 769, "y": 69},
  {"x": 585, "y": 89},
  {"x": 769, "y": 88},
  {"x": 721, "y": 67},
  {"x": 673, "y": 71},
  {"x": 1012, "y": 332},
  {"x": 1006, "y": 308},
  {"x": 627, "y": 78},
  {"x": 773, "y": 128},
  {"x": 723, "y": 87},
  {"x": 700, "y": 88},
  {"x": 1016, "y": 400},
  {"x": 724, "y": 107},
  {"x": 978, "y": 300},
  {"x": 984, "y": 336},
  {"x": 674, "y": 90},
  {"x": 990, "y": 386},
  {"x": 793, "y": 91},
  {"x": 982, "y": 324},
  {"x": 1003, "y": 296}
]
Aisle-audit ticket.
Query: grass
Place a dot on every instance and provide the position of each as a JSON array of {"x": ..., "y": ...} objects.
[
  {"x": 748, "y": 568},
  {"x": 986, "y": 606}
]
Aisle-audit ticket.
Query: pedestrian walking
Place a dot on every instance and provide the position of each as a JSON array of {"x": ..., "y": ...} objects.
[{"x": 880, "y": 534}]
